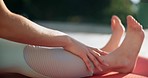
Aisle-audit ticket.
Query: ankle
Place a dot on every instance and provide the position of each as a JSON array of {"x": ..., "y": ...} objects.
[{"x": 125, "y": 65}]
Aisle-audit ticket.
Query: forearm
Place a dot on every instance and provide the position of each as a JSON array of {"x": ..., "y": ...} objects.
[{"x": 17, "y": 28}]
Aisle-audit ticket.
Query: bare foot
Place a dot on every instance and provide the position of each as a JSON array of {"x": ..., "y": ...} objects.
[
  {"x": 117, "y": 32},
  {"x": 123, "y": 59}
]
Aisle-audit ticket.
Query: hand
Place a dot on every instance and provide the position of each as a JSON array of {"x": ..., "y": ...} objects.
[{"x": 88, "y": 54}]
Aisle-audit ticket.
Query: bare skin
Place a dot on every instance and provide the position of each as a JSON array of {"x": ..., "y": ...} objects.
[
  {"x": 42, "y": 34},
  {"x": 117, "y": 32},
  {"x": 127, "y": 52},
  {"x": 20, "y": 29}
]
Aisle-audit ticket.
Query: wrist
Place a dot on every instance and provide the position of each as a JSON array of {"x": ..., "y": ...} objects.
[{"x": 68, "y": 41}]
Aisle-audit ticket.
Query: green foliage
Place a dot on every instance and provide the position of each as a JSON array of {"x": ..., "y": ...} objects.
[
  {"x": 142, "y": 14},
  {"x": 121, "y": 8}
]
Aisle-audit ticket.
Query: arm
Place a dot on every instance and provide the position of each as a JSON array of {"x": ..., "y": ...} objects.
[{"x": 19, "y": 29}]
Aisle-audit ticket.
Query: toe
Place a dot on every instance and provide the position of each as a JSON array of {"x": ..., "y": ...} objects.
[
  {"x": 115, "y": 19},
  {"x": 131, "y": 22}
]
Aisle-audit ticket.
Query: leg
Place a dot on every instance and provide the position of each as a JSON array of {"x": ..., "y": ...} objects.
[
  {"x": 59, "y": 63},
  {"x": 128, "y": 50},
  {"x": 117, "y": 32},
  {"x": 55, "y": 62}
]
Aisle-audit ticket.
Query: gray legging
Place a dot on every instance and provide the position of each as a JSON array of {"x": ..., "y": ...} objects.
[{"x": 36, "y": 61}]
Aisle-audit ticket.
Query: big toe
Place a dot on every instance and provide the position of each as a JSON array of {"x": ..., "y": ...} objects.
[
  {"x": 131, "y": 22},
  {"x": 115, "y": 20}
]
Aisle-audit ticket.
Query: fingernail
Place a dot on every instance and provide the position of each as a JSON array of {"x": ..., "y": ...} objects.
[
  {"x": 100, "y": 68},
  {"x": 106, "y": 64},
  {"x": 91, "y": 74},
  {"x": 91, "y": 71}
]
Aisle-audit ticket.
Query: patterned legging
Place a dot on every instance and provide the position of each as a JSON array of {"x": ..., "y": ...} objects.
[{"x": 55, "y": 63}]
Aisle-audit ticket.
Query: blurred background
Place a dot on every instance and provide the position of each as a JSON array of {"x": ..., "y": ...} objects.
[
  {"x": 85, "y": 14},
  {"x": 80, "y": 11}
]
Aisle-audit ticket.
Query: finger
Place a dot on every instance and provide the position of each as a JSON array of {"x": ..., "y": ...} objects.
[
  {"x": 99, "y": 59},
  {"x": 95, "y": 61},
  {"x": 100, "y": 51},
  {"x": 104, "y": 53},
  {"x": 87, "y": 63}
]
